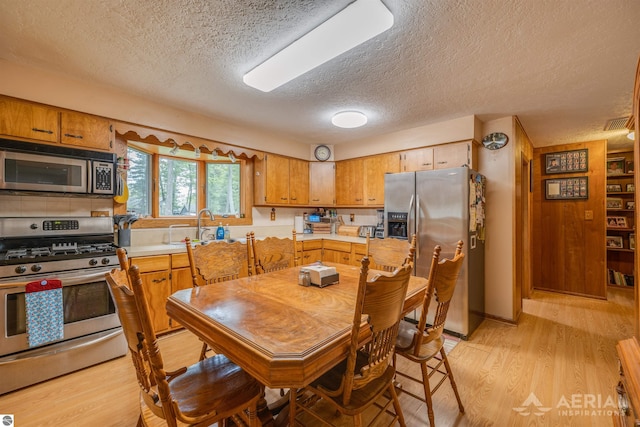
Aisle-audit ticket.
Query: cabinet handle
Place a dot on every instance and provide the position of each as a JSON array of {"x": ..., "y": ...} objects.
[
  {"x": 283, "y": 198},
  {"x": 42, "y": 130},
  {"x": 315, "y": 200},
  {"x": 426, "y": 164},
  {"x": 68, "y": 135},
  {"x": 371, "y": 200},
  {"x": 358, "y": 200},
  {"x": 159, "y": 280},
  {"x": 443, "y": 163},
  {"x": 294, "y": 198}
]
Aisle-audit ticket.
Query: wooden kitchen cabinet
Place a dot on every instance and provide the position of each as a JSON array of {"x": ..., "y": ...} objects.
[
  {"x": 274, "y": 179},
  {"x": 336, "y": 251},
  {"x": 322, "y": 183},
  {"x": 375, "y": 168},
  {"x": 155, "y": 275},
  {"x": 420, "y": 159},
  {"x": 180, "y": 272},
  {"x": 455, "y": 155},
  {"x": 311, "y": 251},
  {"x": 443, "y": 156},
  {"x": 349, "y": 182},
  {"x": 298, "y": 182},
  {"x": 281, "y": 180},
  {"x": 27, "y": 120},
  {"x": 358, "y": 251},
  {"x": 86, "y": 131},
  {"x": 360, "y": 182}
]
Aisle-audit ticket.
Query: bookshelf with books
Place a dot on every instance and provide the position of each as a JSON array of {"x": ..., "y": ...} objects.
[{"x": 620, "y": 203}]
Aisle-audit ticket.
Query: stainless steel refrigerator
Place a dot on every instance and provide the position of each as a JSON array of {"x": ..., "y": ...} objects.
[{"x": 442, "y": 207}]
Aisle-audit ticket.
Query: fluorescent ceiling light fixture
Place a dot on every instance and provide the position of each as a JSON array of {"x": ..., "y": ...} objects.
[
  {"x": 358, "y": 22},
  {"x": 631, "y": 135},
  {"x": 349, "y": 119}
]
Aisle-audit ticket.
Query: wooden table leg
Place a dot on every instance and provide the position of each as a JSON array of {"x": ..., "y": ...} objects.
[{"x": 264, "y": 412}]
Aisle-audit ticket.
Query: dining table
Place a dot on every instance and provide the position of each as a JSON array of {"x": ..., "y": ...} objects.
[{"x": 285, "y": 335}]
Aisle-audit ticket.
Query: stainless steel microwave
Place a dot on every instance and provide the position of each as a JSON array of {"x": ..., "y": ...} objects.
[{"x": 53, "y": 169}]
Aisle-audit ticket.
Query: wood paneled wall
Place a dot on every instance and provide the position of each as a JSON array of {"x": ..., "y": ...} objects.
[
  {"x": 569, "y": 253},
  {"x": 636, "y": 158}
]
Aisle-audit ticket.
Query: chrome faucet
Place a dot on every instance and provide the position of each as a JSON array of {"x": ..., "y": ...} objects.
[{"x": 200, "y": 230}]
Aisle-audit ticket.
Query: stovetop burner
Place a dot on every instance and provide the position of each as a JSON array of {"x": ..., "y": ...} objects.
[
  {"x": 59, "y": 251},
  {"x": 41, "y": 246}
]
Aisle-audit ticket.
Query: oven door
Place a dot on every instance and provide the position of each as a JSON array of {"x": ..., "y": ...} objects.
[
  {"x": 87, "y": 304},
  {"x": 37, "y": 172}
]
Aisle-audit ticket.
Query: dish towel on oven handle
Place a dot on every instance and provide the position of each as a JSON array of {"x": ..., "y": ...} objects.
[{"x": 45, "y": 315}]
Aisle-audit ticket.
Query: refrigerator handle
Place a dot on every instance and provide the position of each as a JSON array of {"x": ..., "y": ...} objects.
[
  {"x": 416, "y": 228},
  {"x": 409, "y": 214}
]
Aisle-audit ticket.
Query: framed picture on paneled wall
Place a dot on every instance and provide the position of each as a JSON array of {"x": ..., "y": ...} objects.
[
  {"x": 566, "y": 161},
  {"x": 567, "y": 188}
]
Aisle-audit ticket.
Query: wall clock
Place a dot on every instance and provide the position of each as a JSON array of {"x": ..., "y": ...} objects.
[
  {"x": 322, "y": 153},
  {"x": 495, "y": 141}
]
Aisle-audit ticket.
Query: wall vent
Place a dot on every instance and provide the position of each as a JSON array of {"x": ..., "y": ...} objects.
[{"x": 616, "y": 124}]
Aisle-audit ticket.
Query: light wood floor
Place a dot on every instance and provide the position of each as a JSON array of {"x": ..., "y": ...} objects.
[{"x": 563, "y": 346}]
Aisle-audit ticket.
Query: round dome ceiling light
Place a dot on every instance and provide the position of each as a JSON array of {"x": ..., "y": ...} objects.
[{"x": 349, "y": 119}]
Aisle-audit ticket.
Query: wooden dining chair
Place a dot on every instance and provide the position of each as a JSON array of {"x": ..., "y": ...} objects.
[
  {"x": 424, "y": 344},
  {"x": 389, "y": 254},
  {"x": 123, "y": 260},
  {"x": 365, "y": 377},
  {"x": 216, "y": 262},
  {"x": 272, "y": 253},
  {"x": 209, "y": 391}
]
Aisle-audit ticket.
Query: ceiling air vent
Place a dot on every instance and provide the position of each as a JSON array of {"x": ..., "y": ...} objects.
[{"x": 616, "y": 124}]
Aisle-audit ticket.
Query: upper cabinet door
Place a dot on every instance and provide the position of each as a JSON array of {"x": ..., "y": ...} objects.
[
  {"x": 420, "y": 159},
  {"x": 85, "y": 130},
  {"x": 322, "y": 179},
  {"x": 375, "y": 168},
  {"x": 349, "y": 182},
  {"x": 26, "y": 120},
  {"x": 298, "y": 182},
  {"x": 281, "y": 181},
  {"x": 277, "y": 179},
  {"x": 453, "y": 155}
]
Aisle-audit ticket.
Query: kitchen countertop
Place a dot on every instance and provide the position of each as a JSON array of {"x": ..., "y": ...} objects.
[{"x": 177, "y": 248}]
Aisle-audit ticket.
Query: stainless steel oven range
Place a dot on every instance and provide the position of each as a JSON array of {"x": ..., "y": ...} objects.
[{"x": 78, "y": 251}]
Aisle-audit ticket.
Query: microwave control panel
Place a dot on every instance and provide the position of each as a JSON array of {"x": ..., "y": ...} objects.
[{"x": 102, "y": 177}]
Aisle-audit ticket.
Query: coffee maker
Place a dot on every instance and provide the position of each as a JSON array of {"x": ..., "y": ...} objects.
[{"x": 380, "y": 226}]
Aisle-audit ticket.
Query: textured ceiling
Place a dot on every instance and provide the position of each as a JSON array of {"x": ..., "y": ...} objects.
[{"x": 563, "y": 67}]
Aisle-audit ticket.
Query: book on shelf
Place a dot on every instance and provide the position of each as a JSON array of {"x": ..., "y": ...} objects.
[{"x": 620, "y": 279}]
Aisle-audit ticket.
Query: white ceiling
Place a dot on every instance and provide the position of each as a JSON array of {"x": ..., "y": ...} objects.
[{"x": 564, "y": 67}]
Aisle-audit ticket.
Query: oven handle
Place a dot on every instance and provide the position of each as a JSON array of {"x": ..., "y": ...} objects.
[
  {"x": 68, "y": 278},
  {"x": 48, "y": 351}
]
